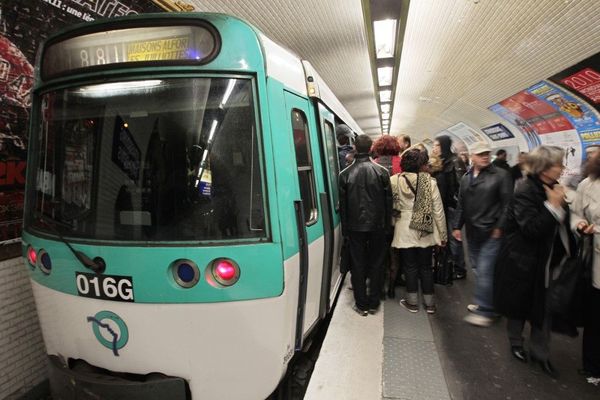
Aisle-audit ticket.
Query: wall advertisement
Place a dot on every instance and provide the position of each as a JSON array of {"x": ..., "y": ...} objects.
[
  {"x": 497, "y": 132},
  {"x": 583, "y": 80},
  {"x": 23, "y": 26}
]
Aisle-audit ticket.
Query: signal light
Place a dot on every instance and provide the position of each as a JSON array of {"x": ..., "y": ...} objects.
[
  {"x": 185, "y": 273},
  {"x": 31, "y": 256},
  {"x": 44, "y": 262},
  {"x": 225, "y": 271}
]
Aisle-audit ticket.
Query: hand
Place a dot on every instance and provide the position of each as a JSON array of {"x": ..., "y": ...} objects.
[
  {"x": 496, "y": 233},
  {"x": 457, "y": 235},
  {"x": 586, "y": 228},
  {"x": 556, "y": 195}
]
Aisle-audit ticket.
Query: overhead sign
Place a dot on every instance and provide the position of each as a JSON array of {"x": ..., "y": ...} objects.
[
  {"x": 497, "y": 132},
  {"x": 132, "y": 45}
]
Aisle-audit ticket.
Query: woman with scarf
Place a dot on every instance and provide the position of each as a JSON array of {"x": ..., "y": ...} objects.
[
  {"x": 538, "y": 243},
  {"x": 419, "y": 225}
]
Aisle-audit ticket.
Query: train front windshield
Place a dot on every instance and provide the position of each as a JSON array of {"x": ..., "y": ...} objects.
[{"x": 152, "y": 160}]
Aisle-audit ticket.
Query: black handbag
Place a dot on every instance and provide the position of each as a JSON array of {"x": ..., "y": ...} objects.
[
  {"x": 566, "y": 292},
  {"x": 443, "y": 268}
]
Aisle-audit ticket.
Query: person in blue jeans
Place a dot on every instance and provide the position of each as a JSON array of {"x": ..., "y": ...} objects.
[{"x": 483, "y": 198}]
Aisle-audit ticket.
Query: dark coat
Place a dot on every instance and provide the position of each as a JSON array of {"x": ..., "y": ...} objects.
[
  {"x": 531, "y": 231},
  {"x": 365, "y": 196},
  {"x": 448, "y": 180},
  {"x": 482, "y": 201}
]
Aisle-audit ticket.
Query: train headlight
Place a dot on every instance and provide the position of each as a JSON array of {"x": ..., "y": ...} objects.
[
  {"x": 185, "y": 273},
  {"x": 31, "y": 256},
  {"x": 44, "y": 262},
  {"x": 225, "y": 272}
]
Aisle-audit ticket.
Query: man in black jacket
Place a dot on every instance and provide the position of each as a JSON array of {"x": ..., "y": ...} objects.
[
  {"x": 483, "y": 198},
  {"x": 365, "y": 210}
]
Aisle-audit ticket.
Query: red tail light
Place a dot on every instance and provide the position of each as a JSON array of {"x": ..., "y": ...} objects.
[
  {"x": 225, "y": 271},
  {"x": 31, "y": 256}
]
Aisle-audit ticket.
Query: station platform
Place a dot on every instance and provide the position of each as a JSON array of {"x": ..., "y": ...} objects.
[{"x": 398, "y": 355}]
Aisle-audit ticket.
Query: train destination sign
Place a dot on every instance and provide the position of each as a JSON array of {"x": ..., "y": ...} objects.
[{"x": 133, "y": 45}]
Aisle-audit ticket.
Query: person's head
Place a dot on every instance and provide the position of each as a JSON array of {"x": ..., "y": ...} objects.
[
  {"x": 386, "y": 145},
  {"x": 343, "y": 133},
  {"x": 501, "y": 154},
  {"x": 442, "y": 146},
  {"x": 546, "y": 162},
  {"x": 522, "y": 158},
  {"x": 480, "y": 155},
  {"x": 404, "y": 141},
  {"x": 413, "y": 160},
  {"x": 363, "y": 144},
  {"x": 464, "y": 156},
  {"x": 592, "y": 162}
]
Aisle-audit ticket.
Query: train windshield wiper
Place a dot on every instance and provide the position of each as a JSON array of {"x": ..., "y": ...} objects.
[{"x": 97, "y": 266}]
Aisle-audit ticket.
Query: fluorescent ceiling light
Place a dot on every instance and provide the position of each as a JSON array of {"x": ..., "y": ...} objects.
[
  {"x": 385, "y": 95},
  {"x": 385, "y": 115},
  {"x": 384, "y": 75},
  {"x": 385, "y": 108},
  {"x": 385, "y": 38}
]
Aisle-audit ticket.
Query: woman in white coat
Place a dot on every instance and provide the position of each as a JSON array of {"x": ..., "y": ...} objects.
[
  {"x": 585, "y": 218},
  {"x": 419, "y": 224}
]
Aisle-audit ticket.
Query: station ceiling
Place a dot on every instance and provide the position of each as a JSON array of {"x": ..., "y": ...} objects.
[{"x": 458, "y": 56}]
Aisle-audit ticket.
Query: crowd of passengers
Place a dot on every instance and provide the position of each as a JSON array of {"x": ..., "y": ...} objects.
[{"x": 533, "y": 244}]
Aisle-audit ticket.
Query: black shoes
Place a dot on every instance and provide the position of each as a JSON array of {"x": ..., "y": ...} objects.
[
  {"x": 391, "y": 293},
  {"x": 546, "y": 367},
  {"x": 519, "y": 353},
  {"x": 362, "y": 313}
]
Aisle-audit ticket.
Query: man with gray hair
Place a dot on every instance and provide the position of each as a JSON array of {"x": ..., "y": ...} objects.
[{"x": 483, "y": 198}]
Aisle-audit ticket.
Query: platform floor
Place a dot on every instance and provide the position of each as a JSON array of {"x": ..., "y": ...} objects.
[{"x": 398, "y": 355}]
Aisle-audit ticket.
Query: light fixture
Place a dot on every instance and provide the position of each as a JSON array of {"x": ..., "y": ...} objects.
[
  {"x": 385, "y": 95},
  {"x": 385, "y": 107},
  {"x": 384, "y": 75},
  {"x": 385, "y": 37},
  {"x": 385, "y": 115}
]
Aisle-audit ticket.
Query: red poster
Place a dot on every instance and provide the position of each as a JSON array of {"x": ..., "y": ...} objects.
[
  {"x": 586, "y": 82},
  {"x": 539, "y": 114}
]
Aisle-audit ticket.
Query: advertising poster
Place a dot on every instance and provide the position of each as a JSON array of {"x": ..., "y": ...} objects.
[
  {"x": 467, "y": 134},
  {"x": 583, "y": 117},
  {"x": 527, "y": 130},
  {"x": 23, "y": 26},
  {"x": 497, "y": 132},
  {"x": 583, "y": 80}
]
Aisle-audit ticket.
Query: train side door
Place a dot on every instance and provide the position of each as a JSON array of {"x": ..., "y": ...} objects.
[
  {"x": 310, "y": 219},
  {"x": 333, "y": 237}
]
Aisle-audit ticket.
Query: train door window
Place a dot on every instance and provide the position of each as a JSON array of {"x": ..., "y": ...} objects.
[
  {"x": 332, "y": 160},
  {"x": 305, "y": 168}
]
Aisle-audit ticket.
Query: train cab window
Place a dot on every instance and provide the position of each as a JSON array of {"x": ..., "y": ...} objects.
[
  {"x": 169, "y": 160},
  {"x": 305, "y": 168},
  {"x": 332, "y": 160}
]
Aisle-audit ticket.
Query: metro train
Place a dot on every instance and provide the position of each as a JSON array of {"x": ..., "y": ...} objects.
[{"x": 182, "y": 228}]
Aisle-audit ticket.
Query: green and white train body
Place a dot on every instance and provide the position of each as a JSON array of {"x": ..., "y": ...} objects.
[{"x": 182, "y": 228}]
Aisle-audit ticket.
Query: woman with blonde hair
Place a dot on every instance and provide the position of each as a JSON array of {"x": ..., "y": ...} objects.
[{"x": 419, "y": 225}]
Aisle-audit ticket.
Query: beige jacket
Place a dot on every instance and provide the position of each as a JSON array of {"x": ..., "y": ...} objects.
[
  {"x": 404, "y": 199},
  {"x": 586, "y": 207}
]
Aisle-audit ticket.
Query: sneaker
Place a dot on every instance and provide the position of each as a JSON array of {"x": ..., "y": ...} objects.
[
  {"x": 478, "y": 320},
  {"x": 593, "y": 380},
  {"x": 459, "y": 275},
  {"x": 430, "y": 309},
  {"x": 472, "y": 308},
  {"x": 413, "y": 308},
  {"x": 362, "y": 313}
]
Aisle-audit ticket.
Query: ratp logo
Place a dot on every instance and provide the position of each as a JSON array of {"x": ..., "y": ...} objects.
[{"x": 110, "y": 330}]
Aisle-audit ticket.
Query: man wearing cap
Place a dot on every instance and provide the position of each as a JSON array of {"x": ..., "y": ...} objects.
[
  {"x": 483, "y": 198},
  {"x": 344, "y": 134}
]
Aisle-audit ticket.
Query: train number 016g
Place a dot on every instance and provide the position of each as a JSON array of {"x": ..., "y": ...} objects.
[{"x": 106, "y": 287}]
